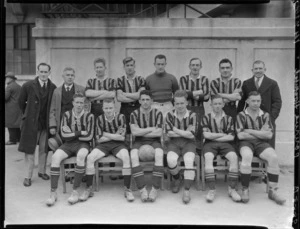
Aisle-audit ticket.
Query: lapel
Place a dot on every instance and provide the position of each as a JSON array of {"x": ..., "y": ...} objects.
[
  {"x": 252, "y": 84},
  {"x": 36, "y": 87},
  {"x": 265, "y": 84},
  {"x": 76, "y": 87}
]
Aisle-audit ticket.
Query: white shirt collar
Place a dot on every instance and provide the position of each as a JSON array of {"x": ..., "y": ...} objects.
[
  {"x": 260, "y": 113},
  {"x": 198, "y": 77},
  {"x": 260, "y": 79},
  {"x": 42, "y": 82},
  {"x": 110, "y": 120},
  {"x": 78, "y": 116},
  {"x": 186, "y": 115},
  {"x": 213, "y": 114},
  {"x": 70, "y": 86}
]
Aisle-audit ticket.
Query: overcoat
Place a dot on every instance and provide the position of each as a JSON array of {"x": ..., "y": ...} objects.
[
  {"x": 13, "y": 112},
  {"x": 29, "y": 102}
]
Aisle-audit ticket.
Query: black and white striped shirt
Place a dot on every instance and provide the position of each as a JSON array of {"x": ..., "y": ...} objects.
[
  {"x": 152, "y": 119},
  {"x": 116, "y": 124},
  {"x": 210, "y": 124}
]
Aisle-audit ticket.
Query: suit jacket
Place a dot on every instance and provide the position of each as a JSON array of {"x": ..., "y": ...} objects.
[
  {"x": 270, "y": 94},
  {"x": 13, "y": 112},
  {"x": 55, "y": 108},
  {"x": 30, "y": 104}
]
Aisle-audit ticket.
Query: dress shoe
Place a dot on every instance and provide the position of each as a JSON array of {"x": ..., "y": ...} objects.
[
  {"x": 44, "y": 176},
  {"x": 27, "y": 182},
  {"x": 10, "y": 143}
]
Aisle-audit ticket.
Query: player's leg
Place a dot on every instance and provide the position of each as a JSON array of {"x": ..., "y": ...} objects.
[
  {"x": 57, "y": 158},
  {"x": 189, "y": 175},
  {"x": 209, "y": 174},
  {"x": 95, "y": 155},
  {"x": 233, "y": 176},
  {"x": 245, "y": 170},
  {"x": 172, "y": 160},
  {"x": 138, "y": 173},
  {"x": 273, "y": 174},
  {"x": 123, "y": 154},
  {"x": 158, "y": 172}
]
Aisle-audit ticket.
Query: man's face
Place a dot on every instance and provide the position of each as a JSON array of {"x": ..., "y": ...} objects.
[
  {"x": 69, "y": 77},
  {"x": 109, "y": 109},
  {"x": 100, "y": 69},
  {"x": 78, "y": 104},
  {"x": 217, "y": 105},
  {"x": 145, "y": 101},
  {"x": 160, "y": 65},
  {"x": 43, "y": 72},
  {"x": 225, "y": 70},
  {"x": 129, "y": 68},
  {"x": 258, "y": 70},
  {"x": 195, "y": 67},
  {"x": 180, "y": 104},
  {"x": 254, "y": 102}
]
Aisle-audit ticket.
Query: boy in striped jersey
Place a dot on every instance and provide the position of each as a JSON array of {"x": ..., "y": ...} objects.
[
  {"x": 77, "y": 129},
  {"x": 229, "y": 88},
  {"x": 197, "y": 88},
  {"x": 146, "y": 125},
  {"x": 110, "y": 136},
  {"x": 254, "y": 129},
  {"x": 180, "y": 127},
  {"x": 218, "y": 131},
  {"x": 129, "y": 88},
  {"x": 99, "y": 88}
]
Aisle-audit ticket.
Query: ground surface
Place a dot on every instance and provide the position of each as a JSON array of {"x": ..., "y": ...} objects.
[{"x": 26, "y": 205}]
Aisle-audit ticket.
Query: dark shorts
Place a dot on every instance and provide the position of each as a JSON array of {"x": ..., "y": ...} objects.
[
  {"x": 72, "y": 147},
  {"x": 257, "y": 146},
  {"x": 154, "y": 142},
  {"x": 216, "y": 148},
  {"x": 181, "y": 146},
  {"x": 111, "y": 147}
]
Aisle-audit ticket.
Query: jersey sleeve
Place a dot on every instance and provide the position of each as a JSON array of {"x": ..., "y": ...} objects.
[
  {"x": 169, "y": 122},
  {"x": 99, "y": 130},
  {"x": 267, "y": 122},
  {"x": 89, "y": 129},
  {"x": 205, "y": 87},
  {"x": 120, "y": 85},
  {"x": 192, "y": 123},
  {"x": 230, "y": 126},
  {"x": 122, "y": 124},
  {"x": 142, "y": 82},
  {"x": 205, "y": 124},
  {"x": 214, "y": 87},
  {"x": 240, "y": 122},
  {"x": 89, "y": 85},
  {"x": 112, "y": 85},
  {"x": 159, "y": 119},
  {"x": 66, "y": 130},
  {"x": 238, "y": 86},
  {"x": 133, "y": 118}
]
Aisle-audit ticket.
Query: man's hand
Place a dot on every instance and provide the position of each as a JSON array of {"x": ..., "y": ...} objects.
[
  {"x": 121, "y": 131},
  {"x": 265, "y": 128},
  {"x": 52, "y": 131},
  {"x": 66, "y": 129},
  {"x": 84, "y": 132}
]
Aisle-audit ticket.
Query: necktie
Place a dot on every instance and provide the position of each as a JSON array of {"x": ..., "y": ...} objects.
[
  {"x": 44, "y": 87},
  {"x": 68, "y": 89},
  {"x": 256, "y": 83}
]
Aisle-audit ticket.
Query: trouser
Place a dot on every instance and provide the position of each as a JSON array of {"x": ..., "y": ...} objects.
[
  {"x": 14, "y": 134},
  {"x": 42, "y": 157}
]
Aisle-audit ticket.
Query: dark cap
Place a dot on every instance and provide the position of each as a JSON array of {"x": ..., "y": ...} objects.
[{"x": 10, "y": 75}]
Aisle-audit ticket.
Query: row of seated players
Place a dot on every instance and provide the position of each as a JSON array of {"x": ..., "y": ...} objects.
[{"x": 253, "y": 129}]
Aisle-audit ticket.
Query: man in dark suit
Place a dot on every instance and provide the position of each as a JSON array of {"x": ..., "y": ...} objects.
[
  {"x": 269, "y": 90},
  {"x": 34, "y": 101},
  {"x": 12, "y": 110}
]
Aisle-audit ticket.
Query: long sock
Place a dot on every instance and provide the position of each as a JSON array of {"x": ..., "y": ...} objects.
[
  {"x": 158, "y": 172},
  {"x": 138, "y": 174},
  {"x": 54, "y": 175},
  {"x": 189, "y": 176},
  {"x": 126, "y": 172},
  {"x": 176, "y": 176},
  {"x": 233, "y": 177},
  {"x": 79, "y": 172},
  {"x": 210, "y": 178},
  {"x": 245, "y": 180},
  {"x": 89, "y": 180}
]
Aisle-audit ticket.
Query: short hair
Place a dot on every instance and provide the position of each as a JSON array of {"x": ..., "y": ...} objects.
[
  {"x": 100, "y": 60},
  {"x": 217, "y": 96},
  {"x": 78, "y": 95},
  {"x": 128, "y": 59},
  {"x": 196, "y": 58},
  {"x": 146, "y": 92},
  {"x": 69, "y": 69},
  {"x": 160, "y": 56},
  {"x": 180, "y": 93},
  {"x": 253, "y": 93},
  {"x": 225, "y": 60},
  {"x": 109, "y": 100},
  {"x": 259, "y": 62},
  {"x": 44, "y": 64}
]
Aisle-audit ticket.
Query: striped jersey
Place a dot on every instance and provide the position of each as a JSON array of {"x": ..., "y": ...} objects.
[
  {"x": 71, "y": 125},
  {"x": 124, "y": 84},
  {"x": 188, "y": 84},
  {"x": 152, "y": 119},
  {"x": 107, "y": 84},
  {"x": 118, "y": 123},
  {"x": 187, "y": 123},
  {"x": 244, "y": 121},
  {"x": 219, "y": 86},
  {"x": 225, "y": 125}
]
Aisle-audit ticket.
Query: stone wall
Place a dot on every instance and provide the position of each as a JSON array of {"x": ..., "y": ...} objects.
[{"x": 77, "y": 42}]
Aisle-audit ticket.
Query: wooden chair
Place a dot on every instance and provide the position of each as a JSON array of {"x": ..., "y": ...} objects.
[{"x": 67, "y": 167}]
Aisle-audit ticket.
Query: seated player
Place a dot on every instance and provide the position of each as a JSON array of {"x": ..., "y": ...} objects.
[
  {"x": 110, "y": 137},
  {"x": 254, "y": 129},
  {"x": 146, "y": 126},
  {"x": 180, "y": 127},
  {"x": 77, "y": 129},
  {"x": 218, "y": 131}
]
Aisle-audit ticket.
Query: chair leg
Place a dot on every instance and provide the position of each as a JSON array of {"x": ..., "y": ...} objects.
[
  {"x": 168, "y": 180},
  {"x": 202, "y": 173},
  {"x": 197, "y": 173},
  {"x": 62, "y": 170},
  {"x": 97, "y": 175}
]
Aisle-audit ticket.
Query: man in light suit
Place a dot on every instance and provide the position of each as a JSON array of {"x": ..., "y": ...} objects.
[{"x": 269, "y": 90}]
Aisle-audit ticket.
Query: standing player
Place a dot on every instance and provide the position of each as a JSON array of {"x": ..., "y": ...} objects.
[
  {"x": 254, "y": 129},
  {"x": 77, "y": 129},
  {"x": 180, "y": 127},
  {"x": 228, "y": 87},
  {"x": 197, "y": 88},
  {"x": 99, "y": 88},
  {"x": 129, "y": 88},
  {"x": 218, "y": 131},
  {"x": 110, "y": 136},
  {"x": 146, "y": 125}
]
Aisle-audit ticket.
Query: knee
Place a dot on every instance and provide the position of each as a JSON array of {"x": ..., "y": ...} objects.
[
  {"x": 272, "y": 160},
  {"x": 134, "y": 156},
  {"x": 232, "y": 157},
  {"x": 208, "y": 157},
  {"x": 56, "y": 159},
  {"x": 124, "y": 156},
  {"x": 172, "y": 159},
  {"x": 81, "y": 156},
  {"x": 159, "y": 155},
  {"x": 247, "y": 157},
  {"x": 189, "y": 159}
]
